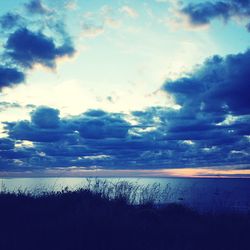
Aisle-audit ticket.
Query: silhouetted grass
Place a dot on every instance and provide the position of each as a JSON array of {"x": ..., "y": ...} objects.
[{"x": 113, "y": 216}]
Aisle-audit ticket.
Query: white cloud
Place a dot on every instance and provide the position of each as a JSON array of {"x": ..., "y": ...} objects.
[
  {"x": 129, "y": 11},
  {"x": 113, "y": 23},
  {"x": 71, "y": 5},
  {"x": 91, "y": 30}
]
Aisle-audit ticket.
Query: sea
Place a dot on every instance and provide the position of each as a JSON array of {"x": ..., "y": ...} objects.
[{"x": 201, "y": 194}]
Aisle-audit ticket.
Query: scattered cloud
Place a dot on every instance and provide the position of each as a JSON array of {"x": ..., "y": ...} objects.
[
  {"x": 6, "y": 105},
  {"x": 112, "y": 22},
  {"x": 28, "y": 48},
  {"x": 37, "y": 7},
  {"x": 26, "y": 45},
  {"x": 92, "y": 30},
  {"x": 129, "y": 11},
  {"x": 71, "y": 5},
  {"x": 10, "y": 20},
  {"x": 10, "y": 76},
  {"x": 203, "y": 13}
]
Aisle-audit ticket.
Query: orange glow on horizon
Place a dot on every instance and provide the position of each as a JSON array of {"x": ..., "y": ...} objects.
[
  {"x": 206, "y": 172},
  {"x": 180, "y": 172}
]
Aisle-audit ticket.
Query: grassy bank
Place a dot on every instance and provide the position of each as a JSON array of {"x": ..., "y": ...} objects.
[{"x": 106, "y": 216}]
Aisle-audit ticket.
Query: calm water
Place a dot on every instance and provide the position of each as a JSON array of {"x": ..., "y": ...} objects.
[{"x": 202, "y": 194}]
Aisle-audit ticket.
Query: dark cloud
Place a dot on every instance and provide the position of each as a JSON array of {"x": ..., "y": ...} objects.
[
  {"x": 9, "y": 20},
  {"x": 6, "y": 144},
  {"x": 95, "y": 113},
  {"x": 27, "y": 48},
  {"x": 24, "y": 47},
  {"x": 221, "y": 86},
  {"x": 204, "y": 12},
  {"x": 105, "y": 127},
  {"x": 14, "y": 154},
  {"x": 44, "y": 117},
  {"x": 24, "y": 130},
  {"x": 10, "y": 76},
  {"x": 44, "y": 127},
  {"x": 36, "y": 7}
]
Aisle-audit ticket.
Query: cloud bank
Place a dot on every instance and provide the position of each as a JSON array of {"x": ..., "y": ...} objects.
[{"x": 211, "y": 128}]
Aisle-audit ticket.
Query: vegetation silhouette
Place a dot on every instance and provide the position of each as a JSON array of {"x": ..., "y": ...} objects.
[{"x": 113, "y": 216}]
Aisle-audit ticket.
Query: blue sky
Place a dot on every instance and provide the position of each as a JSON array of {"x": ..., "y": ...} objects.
[{"x": 124, "y": 87}]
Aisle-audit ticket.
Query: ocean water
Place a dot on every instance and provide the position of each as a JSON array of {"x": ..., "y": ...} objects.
[{"x": 214, "y": 195}]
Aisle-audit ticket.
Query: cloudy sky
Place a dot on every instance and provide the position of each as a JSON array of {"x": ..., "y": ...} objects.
[{"x": 125, "y": 88}]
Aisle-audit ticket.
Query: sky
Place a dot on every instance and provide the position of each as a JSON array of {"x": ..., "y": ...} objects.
[{"x": 125, "y": 88}]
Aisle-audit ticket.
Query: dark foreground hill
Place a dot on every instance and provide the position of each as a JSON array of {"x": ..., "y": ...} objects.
[{"x": 89, "y": 220}]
